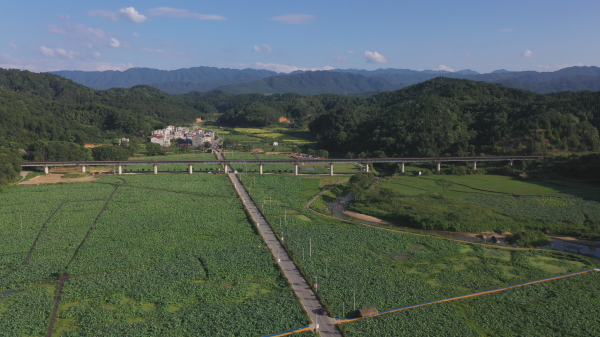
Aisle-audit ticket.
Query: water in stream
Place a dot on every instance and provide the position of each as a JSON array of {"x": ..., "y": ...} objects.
[{"x": 340, "y": 204}]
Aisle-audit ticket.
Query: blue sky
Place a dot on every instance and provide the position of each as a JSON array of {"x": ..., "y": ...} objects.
[{"x": 482, "y": 35}]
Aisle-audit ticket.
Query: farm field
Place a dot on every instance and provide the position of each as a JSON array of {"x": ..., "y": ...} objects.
[
  {"x": 389, "y": 269},
  {"x": 482, "y": 203},
  {"x": 173, "y": 168},
  {"x": 171, "y": 255},
  {"x": 287, "y": 135}
]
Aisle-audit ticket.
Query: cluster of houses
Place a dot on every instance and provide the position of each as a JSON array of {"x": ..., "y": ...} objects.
[{"x": 181, "y": 135}]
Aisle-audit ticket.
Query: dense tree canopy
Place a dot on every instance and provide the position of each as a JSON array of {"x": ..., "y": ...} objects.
[{"x": 445, "y": 116}]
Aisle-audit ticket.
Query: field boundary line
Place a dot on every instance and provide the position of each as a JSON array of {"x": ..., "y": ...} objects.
[
  {"x": 34, "y": 242},
  {"x": 475, "y": 294},
  {"x": 62, "y": 280},
  {"x": 93, "y": 225},
  {"x": 437, "y": 237}
]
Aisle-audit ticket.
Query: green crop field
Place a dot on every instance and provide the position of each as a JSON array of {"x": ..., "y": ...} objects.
[
  {"x": 389, "y": 269},
  {"x": 171, "y": 255},
  {"x": 483, "y": 203},
  {"x": 175, "y": 168}
]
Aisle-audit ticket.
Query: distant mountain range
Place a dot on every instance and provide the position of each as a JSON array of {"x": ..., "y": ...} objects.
[{"x": 337, "y": 81}]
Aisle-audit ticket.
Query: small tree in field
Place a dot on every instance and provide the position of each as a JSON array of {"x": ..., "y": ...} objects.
[{"x": 445, "y": 185}]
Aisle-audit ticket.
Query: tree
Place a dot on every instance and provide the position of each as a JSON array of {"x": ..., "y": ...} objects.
[
  {"x": 154, "y": 149},
  {"x": 444, "y": 184},
  {"x": 322, "y": 153},
  {"x": 110, "y": 153}
]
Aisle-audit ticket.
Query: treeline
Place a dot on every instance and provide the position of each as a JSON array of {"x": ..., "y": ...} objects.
[{"x": 451, "y": 117}]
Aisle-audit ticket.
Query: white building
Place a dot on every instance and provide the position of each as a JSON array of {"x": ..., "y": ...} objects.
[
  {"x": 123, "y": 140},
  {"x": 275, "y": 144},
  {"x": 161, "y": 140}
]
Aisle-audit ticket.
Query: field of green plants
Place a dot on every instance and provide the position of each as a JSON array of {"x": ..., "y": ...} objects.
[
  {"x": 389, "y": 269},
  {"x": 483, "y": 203},
  {"x": 171, "y": 255},
  {"x": 566, "y": 307},
  {"x": 173, "y": 168}
]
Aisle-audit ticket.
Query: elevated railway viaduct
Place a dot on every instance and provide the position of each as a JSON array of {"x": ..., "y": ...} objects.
[{"x": 296, "y": 162}]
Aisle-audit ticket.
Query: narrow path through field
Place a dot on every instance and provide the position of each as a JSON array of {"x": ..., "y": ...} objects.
[
  {"x": 310, "y": 302},
  {"x": 65, "y": 276},
  {"x": 34, "y": 242}
]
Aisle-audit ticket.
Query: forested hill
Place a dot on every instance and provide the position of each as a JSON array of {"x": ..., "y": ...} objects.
[
  {"x": 446, "y": 116},
  {"x": 204, "y": 78},
  {"x": 313, "y": 83}
]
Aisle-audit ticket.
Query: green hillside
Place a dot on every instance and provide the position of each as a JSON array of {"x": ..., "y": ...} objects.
[
  {"x": 460, "y": 117},
  {"x": 313, "y": 83}
]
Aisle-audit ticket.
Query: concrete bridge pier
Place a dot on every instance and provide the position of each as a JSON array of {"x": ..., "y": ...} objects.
[
  {"x": 46, "y": 169},
  {"x": 82, "y": 168},
  {"x": 367, "y": 168},
  {"x": 191, "y": 169},
  {"x": 439, "y": 166},
  {"x": 474, "y": 165},
  {"x": 155, "y": 169},
  {"x": 510, "y": 162},
  {"x": 296, "y": 169},
  {"x": 402, "y": 167},
  {"x": 331, "y": 169},
  {"x": 260, "y": 169},
  {"x": 120, "y": 169}
]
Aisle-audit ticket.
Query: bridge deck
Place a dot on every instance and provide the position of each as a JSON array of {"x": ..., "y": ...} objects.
[{"x": 283, "y": 161}]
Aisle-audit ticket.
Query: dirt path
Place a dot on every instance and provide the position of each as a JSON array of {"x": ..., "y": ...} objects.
[
  {"x": 54, "y": 178},
  {"x": 62, "y": 280},
  {"x": 93, "y": 225}
]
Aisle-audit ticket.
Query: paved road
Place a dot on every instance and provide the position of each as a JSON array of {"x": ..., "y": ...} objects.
[{"x": 302, "y": 290}]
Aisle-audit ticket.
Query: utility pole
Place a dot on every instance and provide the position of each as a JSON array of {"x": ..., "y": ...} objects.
[
  {"x": 326, "y": 274},
  {"x": 285, "y": 214},
  {"x": 354, "y": 291},
  {"x": 21, "y": 216},
  {"x": 343, "y": 309},
  {"x": 310, "y": 247}
]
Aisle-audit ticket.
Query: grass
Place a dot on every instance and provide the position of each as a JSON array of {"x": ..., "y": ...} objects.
[
  {"x": 170, "y": 254},
  {"x": 391, "y": 269}
]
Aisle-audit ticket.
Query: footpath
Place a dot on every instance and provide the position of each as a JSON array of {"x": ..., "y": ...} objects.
[{"x": 301, "y": 288}]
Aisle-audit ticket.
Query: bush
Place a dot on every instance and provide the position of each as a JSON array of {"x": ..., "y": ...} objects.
[
  {"x": 110, "y": 153},
  {"x": 528, "y": 238}
]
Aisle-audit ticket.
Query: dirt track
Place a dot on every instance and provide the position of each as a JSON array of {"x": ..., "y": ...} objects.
[{"x": 54, "y": 178}]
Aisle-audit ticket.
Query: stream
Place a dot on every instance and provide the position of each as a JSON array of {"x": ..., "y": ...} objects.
[{"x": 341, "y": 203}]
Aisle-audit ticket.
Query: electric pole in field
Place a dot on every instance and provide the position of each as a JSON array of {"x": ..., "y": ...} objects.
[
  {"x": 326, "y": 274},
  {"x": 354, "y": 292},
  {"x": 21, "y": 216},
  {"x": 310, "y": 247}
]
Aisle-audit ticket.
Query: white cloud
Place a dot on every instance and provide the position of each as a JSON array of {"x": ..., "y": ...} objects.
[
  {"x": 131, "y": 15},
  {"x": 112, "y": 16},
  {"x": 114, "y": 42},
  {"x": 182, "y": 13},
  {"x": 85, "y": 36},
  {"x": 349, "y": 52},
  {"x": 96, "y": 55},
  {"x": 443, "y": 67},
  {"x": 155, "y": 51},
  {"x": 43, "y": 65},
  {"x": 562, "y": 66},
  {"x": 13, "y": 46},
  {"x": 375, "y": 57},
  {"x": 47, "y": 51},
  {"x": 543, "y": 66},
  {"x": 466, "y": 55},
  {"x": 135, "y": 34},
  {"x": 64, "y": 17},
  {"x": 507, "y": 30},
  {"x": 340, "y": 59},
  {"x": 527, "y": 53},
  {"x": 267, "y": 48},
  {"x": 280, "y": 68},
  {"x": 293, "y": 18},
  {"x": 66, "y": 53},
  {"x": 335, "y": 48}
]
